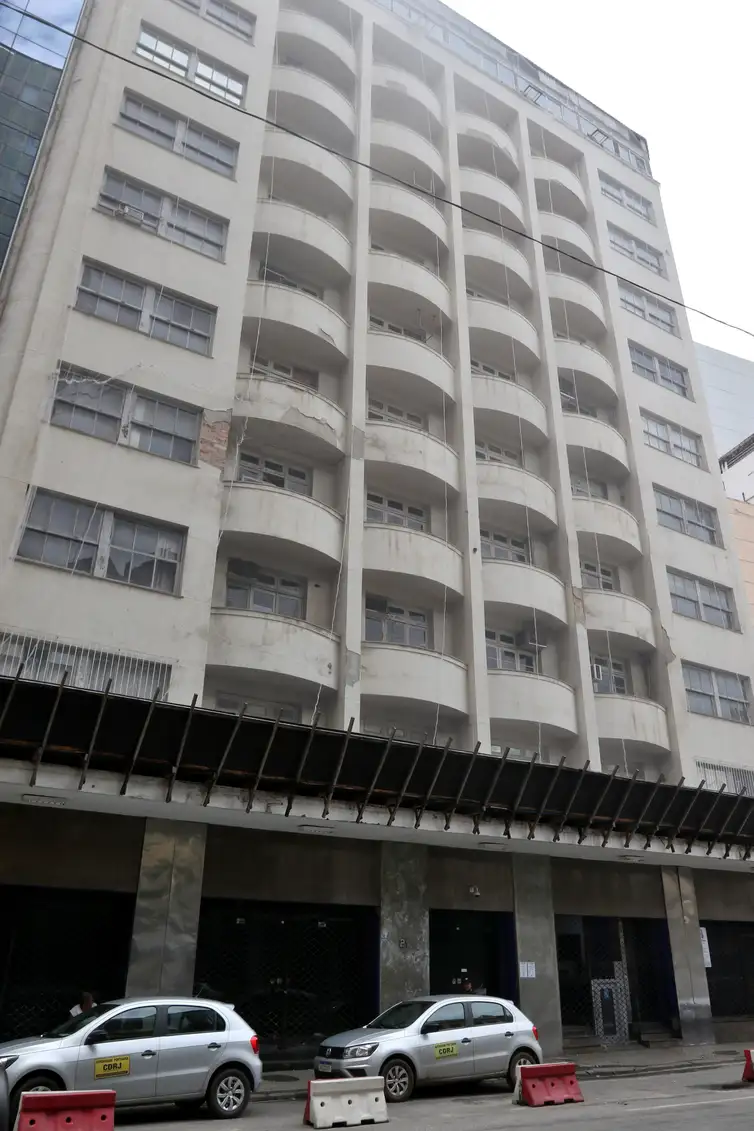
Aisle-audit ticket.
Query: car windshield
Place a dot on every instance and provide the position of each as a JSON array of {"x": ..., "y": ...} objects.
[
  {"x": 400, "y": 1016},
  {"x": 73, "y": 1024}
]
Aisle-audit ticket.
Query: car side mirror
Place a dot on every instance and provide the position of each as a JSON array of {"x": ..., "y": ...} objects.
[
  {"x": 96, "y": 1036},
  {"x": 431, "y": 1027}
]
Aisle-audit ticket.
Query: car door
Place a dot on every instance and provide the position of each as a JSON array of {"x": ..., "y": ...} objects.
[
  {"x": 121, "y": 1053},
  {"x": 191, "y": 1047},
  {"x": 446, "y": 1053},
  {"x": 494, "y": 1029}
]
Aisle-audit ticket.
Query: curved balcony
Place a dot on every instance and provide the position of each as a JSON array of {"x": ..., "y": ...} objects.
[
  {"x": 316, "y": 43},
  {"x": 640, "y": 724},
  {"x": 602, "y": 445},
  {"x": 585, "y": 312},
  {"x": 394, "y": 89},
  {"x": 503, "y": 333},
  {"x": 526, "y": 704},
  {"x": 615, "y": 527},
  {"x": 300, "y": 97},
  {"x": 287, "y": 315},
  {"x": 322, "y": 251},
  {"x": 410, "y": 214},
  {"x": 240, "y": 641},
  {"x": 626, "y": 620},
  {"x": 477, "y": 136},
  {"x": 392, "y": 135},
  {"x": 410, "y": 457},
  {"x": 405, "y": 359},
  {"x": 558, "y": 230},
  {"x": 564, "y": 189},
  {"x": 491, "y": 198},
  {"x": 413, "y": 675},
  {"x": 495, "y": 398},
  {"x": 489, "y": 258},
  {"x": 412, "y": 285},
  {"x": 507, "y": 492},
  {"x": 324, "y": 178},
  {"x": 579, "y": 357},
  {"x": 395, "y": 550},
  {"x": 291, "y": 417},
  {"x": 521, "y": 588},
  {"x": 292, "y": 520}
]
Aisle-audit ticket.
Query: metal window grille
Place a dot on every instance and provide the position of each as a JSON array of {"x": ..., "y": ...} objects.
[{"x": 48, "y": 659}]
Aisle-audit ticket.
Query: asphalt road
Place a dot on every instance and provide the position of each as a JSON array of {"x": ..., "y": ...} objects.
[{"x": 689, "y": 1100}]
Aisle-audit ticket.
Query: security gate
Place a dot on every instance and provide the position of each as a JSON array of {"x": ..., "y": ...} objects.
[
  {"x": 478, "y": 945},
  {"x": 297, "y": 973}
]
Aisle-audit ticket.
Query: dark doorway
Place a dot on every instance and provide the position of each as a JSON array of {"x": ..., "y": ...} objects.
[
  {"x": 480, "y": 945},
  {"x": 297, "y": 973},
  {"x": 54, "y": 943},
  {"x": 651, "y": 977},
  {"x": 731, "y": 976}
]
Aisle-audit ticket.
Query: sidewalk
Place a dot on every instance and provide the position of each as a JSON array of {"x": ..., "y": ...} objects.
[{"x": 597, "y": 1064}]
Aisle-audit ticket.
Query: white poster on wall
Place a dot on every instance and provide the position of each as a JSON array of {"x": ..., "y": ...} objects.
[{"x": 705, "y": 948}]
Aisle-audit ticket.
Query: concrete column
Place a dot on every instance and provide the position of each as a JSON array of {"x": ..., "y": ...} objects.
[
  {"x": 166, "y": 920},
  {"x": 404, "y": 923},
  {"x": 688, "y": 959},
  {"x": 539, "y": 996}
]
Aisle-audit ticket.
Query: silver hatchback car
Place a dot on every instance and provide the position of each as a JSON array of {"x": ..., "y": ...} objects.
[
  {"x": 434, "y": 1039},
  {"x": 148, "y": 1050}
]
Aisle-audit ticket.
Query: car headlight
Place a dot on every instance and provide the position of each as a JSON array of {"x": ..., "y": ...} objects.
[
  {"x": 6, "y": 1061},
  {"x": 358, "y": 1051}
]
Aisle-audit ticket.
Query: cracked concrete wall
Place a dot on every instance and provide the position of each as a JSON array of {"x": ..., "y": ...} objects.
[{"x": 404, "y": 922}]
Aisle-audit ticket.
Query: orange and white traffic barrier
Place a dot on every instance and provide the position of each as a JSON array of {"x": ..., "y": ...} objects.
[
  {"x": 66, "y": 1111},
  {"x": 748, "y": 1075},
  {"x": 541, "y": 1084}
]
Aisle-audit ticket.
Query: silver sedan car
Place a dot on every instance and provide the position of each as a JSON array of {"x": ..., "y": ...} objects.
[
  {"x": 187, "y": 1051},
  {"x": 431, "y": 1040}
]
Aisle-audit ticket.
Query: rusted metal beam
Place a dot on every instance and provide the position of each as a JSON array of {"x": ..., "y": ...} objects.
[
  {"x": 95, "y": 733},
  {"x": 719, "y": 835},
  {"x": 40, "y": 751},
  {"x": 300, "y": 771},
  {"x": 179, "y": 757},
  {"x": 375, "y": 776},
  {"x": 687, "y": 810},
  {"x": 538, "y": 815},
  {"x": 704, "y": 819},
  {"x": 407, "y": 779},
  {"x": 438, "y": 770},
  {"x": 478, "y": 817},
  {"x": 619, "y": 810},
  {"x": 449, "y": 816},
  {"x": 11, "y": 695},
  {"x": 600, "y": 799},
  {"x": 338, "y": 768},
  {"x": 635, "y": 827},
  {"x": 224, "y": 756},
  {"x": 571, "y": 800},
  {"x": 139, "y": 743},
  {"x": 659, "y": 823},
  {"x": 514, "y": 811},
  {"x": 263, "y": 763}
]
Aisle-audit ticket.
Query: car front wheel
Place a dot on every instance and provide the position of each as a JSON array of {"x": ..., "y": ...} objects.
[
  {"x": 40, "y": 1082},
  {"x": 228, "y": 1093},
  {"x": 523, "y": 1056},
  {"x": 400, "y": 1080}
]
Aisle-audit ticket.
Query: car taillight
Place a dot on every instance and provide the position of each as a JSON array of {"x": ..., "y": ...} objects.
[
  {"x": 255, "y": 1043},
  {"x": 533, "y": 1029}
]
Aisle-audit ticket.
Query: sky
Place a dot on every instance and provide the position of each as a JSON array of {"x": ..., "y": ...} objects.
[
  {"x": 682, "y": 75},
  {"x": 28, "y": 35}
]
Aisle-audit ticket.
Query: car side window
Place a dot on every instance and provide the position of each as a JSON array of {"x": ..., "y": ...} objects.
[
  {"x": 190, "y": 1019},
  {"x": 450, "y": 1016},
  {"x": 131, "y": 1024},
  {"x": 490, "y": 1013}
]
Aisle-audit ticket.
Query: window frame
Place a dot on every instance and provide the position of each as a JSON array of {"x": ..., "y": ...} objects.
[
  {"x": 503, "y": 645},
  {"x": 700, "y": 600},
  {"x": 410, "y": 516},
  {"x": 714, "y": 695},
  {"x": 482, "y": 369},
  {"x": 512, "y": 547},
  {"x": 624, "y": 196},
  {"x": 618, "y": 671},
  {"x": 292, "y": 474},
  {"x": 232, "y": 703},
  {"x": 686, "y": 520},
  {"x": 681, "y": 388},
  {"x": 638, "y": 250},
  {"x": 642, "y": 304},
  {"x": 489, "y": 451},
  {"x": 410, "y": 620},
  {"x": 673, "y": 439},
  {"x": 382, "y": 325},
  {"x": 578, "y": 480},
  {"x": 257, "y": 578},
  {"x": 178, "y": 140},
  {"x": 203, "y": 8},
  {"x": 281, "y": 371},
  {"x": 393, "y": 414},
  {"x": 600, "y": 574},
  {"x": 191, "y": 70}
]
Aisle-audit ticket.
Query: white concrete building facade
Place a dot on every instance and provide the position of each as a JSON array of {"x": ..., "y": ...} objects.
[{"x": 352, "y": 415}]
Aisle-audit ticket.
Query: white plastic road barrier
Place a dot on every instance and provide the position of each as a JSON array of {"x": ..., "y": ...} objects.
[{"x": 346, "y": 1103}]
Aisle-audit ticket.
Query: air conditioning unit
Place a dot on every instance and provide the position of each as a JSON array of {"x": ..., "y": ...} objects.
[
  {"x": 597, "y": 673},
  {"x": 128, "y": 212}
]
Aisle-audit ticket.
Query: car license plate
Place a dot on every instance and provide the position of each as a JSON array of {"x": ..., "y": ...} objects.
[
  {"x": 443, "y": 1051},
  {"x": 325, "y": 1067},
  {"x": 112, "y": 1066}
]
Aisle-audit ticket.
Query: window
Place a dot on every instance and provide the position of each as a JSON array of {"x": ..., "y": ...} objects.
[
  {"x": 191, "y": 65},
  {"x": 722, "y": 695},
  {"x": 85, "y": 538},
  {"x": 189, "y": 1019},
  {"x": 702, "y": 600},
  {"x": 687, "y": 516},
  {"x": 257, "y": 469},
  {"x": 163, "y": 214},
  {"x": 637, "y": 250},
  {"x": 504, "y": 547},
  {"x": 295, "y": 374},
  {"x": 588, "y": 488},
  {"x": 648, "y": 307},
  {"x": 131, "y": 1024},
  {"x": 490, "y": 371},
  {"x": 269, "y": 274},
  {"x": 595, "y": 576},
  {"x": 569, "y": 399},
  {"x": 249, "y": 586},
  {"x": 258, "y": 708},
  {"x": 735, "y": 778},
  {"x": 503, "y": 654},
  {"x": 672, "y": 439},
  {"x": 660, "y": 370},
  {"x": 387, "y": 623},
  {"x": 90, "y": 403},
  {"x": 392, "y": 328},
  {"x": 449, "y": 1016},
  {"x": 495, "y": 453},
  {"x": 396, "y": 513},
  {"x": 380, "y": 410},
  {"x": 609, "y": 676},
  {"x": 187, "y": 138},
  {"x": 146, "y": 307},
  {"x": 626, "y": 197},
  {"x": 231, "y": 17},
  {"x": 490, "y": 1013}
]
